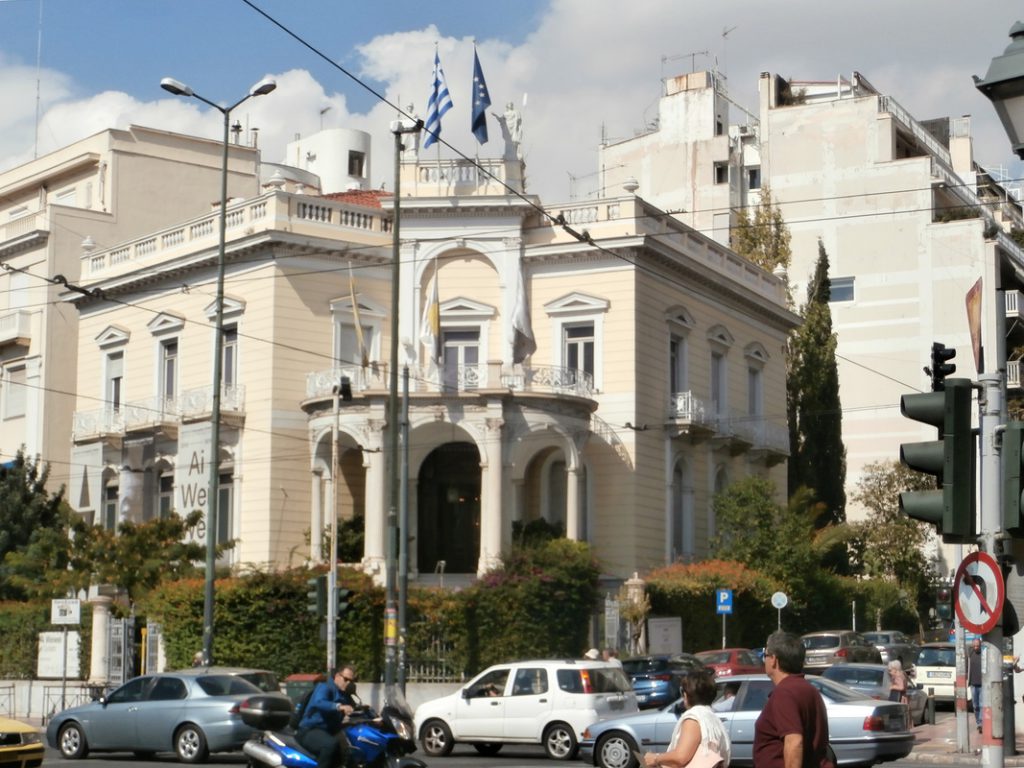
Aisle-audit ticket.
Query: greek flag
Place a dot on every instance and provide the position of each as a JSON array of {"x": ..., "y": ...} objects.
[{"x": 440, "y": 101}]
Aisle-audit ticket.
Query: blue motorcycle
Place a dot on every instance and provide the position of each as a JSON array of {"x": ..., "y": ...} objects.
[{"x": 383, "y": 740}]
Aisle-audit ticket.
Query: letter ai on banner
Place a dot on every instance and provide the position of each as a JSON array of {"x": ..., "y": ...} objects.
[{"x": 192, "y": 475}]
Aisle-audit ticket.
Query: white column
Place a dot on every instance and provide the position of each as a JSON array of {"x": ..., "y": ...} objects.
[
  {"x": 376, "y": 515},
  {"x": 572, "y": 504},
  {"x": 490, "y": 498},
  {"x": 100, "y": 640},
  {"x": 316, "y": 516}
]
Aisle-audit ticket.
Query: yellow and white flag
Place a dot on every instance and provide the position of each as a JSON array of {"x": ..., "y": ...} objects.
[
  {"x": 364, "y": 353},
  {"x": 430, "y": 324}
]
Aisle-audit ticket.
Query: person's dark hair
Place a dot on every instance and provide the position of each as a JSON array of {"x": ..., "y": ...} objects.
[
  {"x": 788, "y": 651},
  {"x": 699, "y": 686}
]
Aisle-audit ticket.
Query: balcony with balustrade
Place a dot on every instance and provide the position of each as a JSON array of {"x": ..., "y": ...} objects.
[
  {"x": 688, "y": 416},
  {"x": 23, "y": 232},
  {"x": 157, "y": 415},
  {"x": 15, "y": 328}
]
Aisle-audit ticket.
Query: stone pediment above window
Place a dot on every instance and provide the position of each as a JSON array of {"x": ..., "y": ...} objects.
[
  {"x": 756, "y": 353},
  {"x": 166, "y": 322},
  {"x": 680, "y": 318},
  {"x": 232, "y": 307},
  {"x": 461, "y": 308},
  {"x": 719, "y": 336},
  {"x": 576, "y": 303},
  {"x": 367, "y": 308},
  {"x": 112, "y": 336}
]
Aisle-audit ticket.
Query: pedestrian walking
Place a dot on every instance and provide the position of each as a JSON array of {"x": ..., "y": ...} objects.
[{"x": 792, "y": 729}]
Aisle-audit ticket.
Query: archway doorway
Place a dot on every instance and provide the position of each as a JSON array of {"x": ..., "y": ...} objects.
[{"x": 448, "y": 504}]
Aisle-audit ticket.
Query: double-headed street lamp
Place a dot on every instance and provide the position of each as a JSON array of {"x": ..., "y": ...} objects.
[{"x": 262, "y": 88}]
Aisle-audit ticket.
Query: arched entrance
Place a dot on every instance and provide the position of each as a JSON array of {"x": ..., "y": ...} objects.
[{"x": 448, "y": 504}]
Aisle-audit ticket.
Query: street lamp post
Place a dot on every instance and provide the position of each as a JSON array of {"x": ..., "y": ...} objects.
[
  {"x": 178, "y": 88},
  {"x": 1003, "y": 85}
]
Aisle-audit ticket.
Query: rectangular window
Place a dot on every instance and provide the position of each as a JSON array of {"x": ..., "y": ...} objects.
[
  {"x": 461, "y": 355},
  {"x": 109, "y": 521},
  {"x": 579, "y": 347},
  {"x": 677, "y": 364},
  {"x": 841, "y": 289},
  {"x": 348, "y": 344},
  {"x": 718, "y": 402},
  {"x": 67, "y": 197},
  {"x": 15, "y": 395},
  {"x": 754, "y": 178},
  {"x": 115, "y": 379},
  {"x": 721, "y": 173},
  {"x": 225, "y": 494},
  {"x": 166, "y": 500},
  {"x": 169, "y": 369},
  {"x": 754, "y": 391},
  {"x": 356, "y": 163},
  {"x": 229, "y": 363}
]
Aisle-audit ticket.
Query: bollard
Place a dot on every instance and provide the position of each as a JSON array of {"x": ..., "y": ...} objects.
[{"x": 929, "y": 709}]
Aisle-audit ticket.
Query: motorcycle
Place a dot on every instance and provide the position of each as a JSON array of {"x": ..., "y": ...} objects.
[{"x": 383, "y": 740}]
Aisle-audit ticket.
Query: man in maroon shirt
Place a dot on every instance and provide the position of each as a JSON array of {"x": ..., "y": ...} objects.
[{"x": 792, "y": 730}]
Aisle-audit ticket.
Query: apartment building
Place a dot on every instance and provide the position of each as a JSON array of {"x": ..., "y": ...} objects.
[
  {"x": 54, "y": 211},
  {"x": 598, "y": 365},
  {"x": 909, "y": 221}
]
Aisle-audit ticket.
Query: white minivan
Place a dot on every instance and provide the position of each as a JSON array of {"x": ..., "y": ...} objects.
[{"x": 526, "y": 702}]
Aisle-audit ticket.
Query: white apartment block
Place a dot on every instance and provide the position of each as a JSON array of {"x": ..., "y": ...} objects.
[
  {"x": 657, "y": 378},
  {"x": 909, "y": 222},
  {"x": 87, "y": 196}
]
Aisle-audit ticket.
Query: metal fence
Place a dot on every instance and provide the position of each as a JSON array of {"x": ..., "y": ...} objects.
[
  {"x": 7, "y": 700},
  {"x": 60, "y": 697}
]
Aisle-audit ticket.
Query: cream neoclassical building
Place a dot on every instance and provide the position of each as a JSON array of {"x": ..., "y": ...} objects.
[{"x": 657, "y": 375}]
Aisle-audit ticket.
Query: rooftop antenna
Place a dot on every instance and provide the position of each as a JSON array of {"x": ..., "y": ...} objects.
[
  {"x": 323, "y": 112},
  {"x": 725, "y": 48},
  {"x": 39, "y": 60}
]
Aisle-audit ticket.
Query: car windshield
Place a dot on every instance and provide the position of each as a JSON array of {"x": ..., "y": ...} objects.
[
  {"x": 833, "y": 691},
  {"x": 714, "y": 657},
  {"x": 608, "y": 680},
  {"x": 644, "y": 666},
  {"x": 225, "y": 685},
  {"x": 817, "y": 642},
  {"x": 878, "y": 637},
  {"x": 937, "y": 657},
  {"x": 848, "y": 675},
  {"x": 265, "y": 681}
]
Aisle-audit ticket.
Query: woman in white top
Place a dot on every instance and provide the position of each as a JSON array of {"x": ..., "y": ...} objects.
[{"x": 699, "y": 739}]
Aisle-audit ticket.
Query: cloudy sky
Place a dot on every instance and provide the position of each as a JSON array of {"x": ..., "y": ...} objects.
[{"x": 584, "y": 68}]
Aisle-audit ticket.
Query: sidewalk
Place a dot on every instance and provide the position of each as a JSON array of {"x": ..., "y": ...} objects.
[{"x": 936, "y": 744}]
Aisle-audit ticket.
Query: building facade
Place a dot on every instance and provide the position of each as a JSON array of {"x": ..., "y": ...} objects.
[{"x": 608, "y": 384}]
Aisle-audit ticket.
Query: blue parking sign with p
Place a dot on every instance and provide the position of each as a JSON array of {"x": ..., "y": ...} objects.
[{"x": 723, "y": 600}]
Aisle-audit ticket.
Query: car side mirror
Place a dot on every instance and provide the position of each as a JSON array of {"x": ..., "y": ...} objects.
[{"x": 465, "y": 693}]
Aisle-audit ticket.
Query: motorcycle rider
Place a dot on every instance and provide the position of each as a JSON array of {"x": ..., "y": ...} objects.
[{"x": 320, "y": 730}]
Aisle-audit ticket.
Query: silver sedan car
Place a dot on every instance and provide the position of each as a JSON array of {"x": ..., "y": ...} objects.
[
  {"x": 191, "y": 713},
  {"x": 862, "y": 731}
]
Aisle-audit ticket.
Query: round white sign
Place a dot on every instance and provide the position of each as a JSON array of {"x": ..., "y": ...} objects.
[{"x": 779, "y": 600}]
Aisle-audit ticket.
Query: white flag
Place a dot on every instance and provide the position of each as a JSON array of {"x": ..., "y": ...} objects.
[
  {"x": 523, "y": 343},
  {"x": 430, "y": 324}
]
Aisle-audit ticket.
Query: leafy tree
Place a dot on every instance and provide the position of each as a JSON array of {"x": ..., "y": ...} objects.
[
  {"x": 817, "y": 458},
  {"x": 764, "y": 237},
  {"x": 33, "y": 524}
]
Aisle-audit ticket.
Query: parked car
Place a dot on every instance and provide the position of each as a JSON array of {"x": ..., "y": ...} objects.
[
  {"x": 862, "y": 731},
  {"x": 731, "y": 661},
  {"x": 261, "y": 678},
  {"x": 192, "y": 713},
  {"x": 935, "y": 670},
  {"x": 21, "y": 745},
  {"x": 656, "y": 679},
  {"x": 839, "y": 646},
  {"x": 893, "y": 644},
  {"x": 874, "y": 680},
  {"x": 526, "y": 702}
]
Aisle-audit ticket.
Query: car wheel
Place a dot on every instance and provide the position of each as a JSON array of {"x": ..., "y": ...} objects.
[
  {"x": 560, "y": 742},
  {"x": 615, "y": 750},
  {"x": 436, "y": 738},
  {"x": 488, "y": 748},
  {"x": 190, "y": 744},
  {"x": 72, "y": 743}
]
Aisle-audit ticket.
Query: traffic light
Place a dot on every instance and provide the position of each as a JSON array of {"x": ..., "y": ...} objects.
[
  {"x": 344, "y": 595},
  {"x": 316, "y": 594},
  {"x": 950, "y": 458},
  {"x": 940, "y": 368},
  {"x": 1011, "y": 457},
  {"x": 944, "y": 603}
]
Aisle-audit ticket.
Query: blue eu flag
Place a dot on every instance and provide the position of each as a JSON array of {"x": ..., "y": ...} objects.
[{"x": 481, "y": 101}]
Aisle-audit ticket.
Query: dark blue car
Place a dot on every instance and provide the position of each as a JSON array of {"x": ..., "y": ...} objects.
[{"x": 656, "y": 678}]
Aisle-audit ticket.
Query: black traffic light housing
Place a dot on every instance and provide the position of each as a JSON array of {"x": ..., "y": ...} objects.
[
  {"x": 344, "y": 601},
  {"x": 944, "y": 602},
  {"x": 1011, "y": 456},
  {"x": 941, "y": 367},
  {"x": 950, "y": 459},
  {"x": 316, "y": 595}
]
